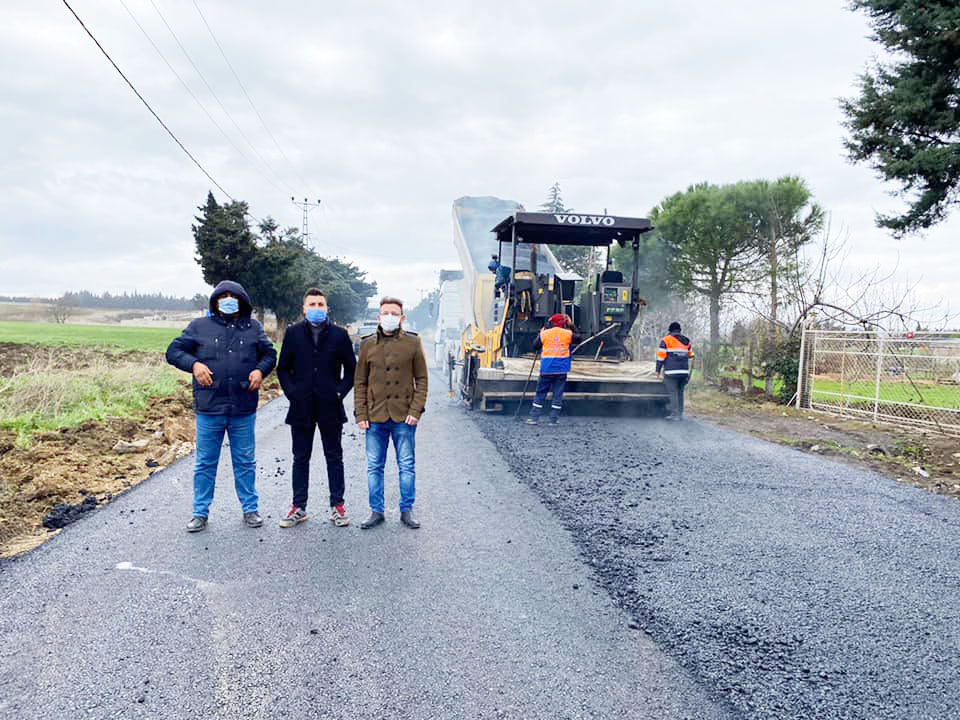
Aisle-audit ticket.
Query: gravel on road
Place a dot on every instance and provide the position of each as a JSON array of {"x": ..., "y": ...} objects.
[{"x": 793, "y": 585}]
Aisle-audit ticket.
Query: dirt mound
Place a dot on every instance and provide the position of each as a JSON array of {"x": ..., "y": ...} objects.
[{"x": 83, "y": 464}]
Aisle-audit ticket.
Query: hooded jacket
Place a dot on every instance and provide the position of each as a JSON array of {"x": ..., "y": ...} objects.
[{"x": 232, "y": 349}]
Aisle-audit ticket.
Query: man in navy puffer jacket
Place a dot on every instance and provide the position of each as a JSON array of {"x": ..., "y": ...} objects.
[{"x": 228, "y": 354}]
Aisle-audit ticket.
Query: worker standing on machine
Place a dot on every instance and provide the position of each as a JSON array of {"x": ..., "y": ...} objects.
[
  {"x": 673, "y": 357},
  {"x": 554, "y": 343}
]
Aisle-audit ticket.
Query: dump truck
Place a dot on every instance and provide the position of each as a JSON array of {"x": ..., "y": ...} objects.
[
  {"x": 450, "y": 325},
  {"x": 513, "y": 282}
]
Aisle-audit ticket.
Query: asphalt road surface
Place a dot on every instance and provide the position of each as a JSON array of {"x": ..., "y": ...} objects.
[
  {"x": 488, "y": 611},
  {"x": 605, "y": 568},
  {"x": 792, "y": 585}
]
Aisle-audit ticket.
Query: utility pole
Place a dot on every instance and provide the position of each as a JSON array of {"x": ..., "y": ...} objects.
[{"x": 307, "y": 206}]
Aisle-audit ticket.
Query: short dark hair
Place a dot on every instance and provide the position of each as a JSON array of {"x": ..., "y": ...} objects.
[
  {"x": 314, "y": 291},
  {"x": 387, "y": 300},
  {"x": 674, "y": 327}
]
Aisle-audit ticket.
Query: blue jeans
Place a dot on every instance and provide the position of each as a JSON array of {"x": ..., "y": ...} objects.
[
  {"x": 404, "y": 442},
  {"x": 545, "y": 384},
  {"x": 210, "y": 430}
]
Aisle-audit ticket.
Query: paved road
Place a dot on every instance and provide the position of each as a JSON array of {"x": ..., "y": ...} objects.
[
  {"x": 795, "y": 586},
  {"x": 487, "y": 612}
]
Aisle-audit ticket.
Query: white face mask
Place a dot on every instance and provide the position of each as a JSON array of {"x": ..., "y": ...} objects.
[{"x": 389, "y": 323}]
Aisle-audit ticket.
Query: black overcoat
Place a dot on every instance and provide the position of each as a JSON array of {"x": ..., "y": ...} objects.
[{"x": 316, "y": 377}]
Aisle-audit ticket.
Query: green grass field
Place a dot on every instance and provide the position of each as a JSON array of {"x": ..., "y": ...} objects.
[
  {"x": 58, "y": 391},
  {"x": 945, "y": 396},
  {"x": 119, "y": 338}
]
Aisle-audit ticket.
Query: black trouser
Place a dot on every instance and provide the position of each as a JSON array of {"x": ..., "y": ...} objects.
[
  {"x": 330, "y": 436},
  {"x": 675, "y": 386}
]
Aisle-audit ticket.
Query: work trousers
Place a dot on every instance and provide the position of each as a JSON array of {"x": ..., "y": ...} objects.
[
  {"x": 210, "y": 431},
  {"x": 675, "y": 387},
  {"x": 545, "y": 384},
  {"x": 331, "y": 437}
]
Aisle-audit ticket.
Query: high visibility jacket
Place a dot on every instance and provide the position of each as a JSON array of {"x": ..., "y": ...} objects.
[
  {"x": 674, "y": 355},
  {"x": 555, "y": 357}
]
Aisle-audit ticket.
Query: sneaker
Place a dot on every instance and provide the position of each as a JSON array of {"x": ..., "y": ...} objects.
[
  {"x": 338, "y": 516},
  {"x": 295, "y": 516},
  {"x": 252, "y": 519},
  {"x": 197, "y": 523}
]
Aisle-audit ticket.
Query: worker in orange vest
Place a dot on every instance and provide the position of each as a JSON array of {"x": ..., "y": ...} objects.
[
  {"x": 673, "y": 357},
  {"x": 554, "y": 343}
]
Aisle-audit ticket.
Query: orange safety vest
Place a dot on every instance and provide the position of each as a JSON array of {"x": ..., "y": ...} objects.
[
  {"x": 555, "y": 356},
  {"x": 674, "y": 355}
]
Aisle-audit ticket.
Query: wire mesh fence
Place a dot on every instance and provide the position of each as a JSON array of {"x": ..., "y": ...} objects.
[{"x": 909, "y": 380}]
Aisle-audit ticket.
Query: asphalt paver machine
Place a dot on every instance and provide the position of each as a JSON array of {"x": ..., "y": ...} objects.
[{"x": 522, "y": 284}]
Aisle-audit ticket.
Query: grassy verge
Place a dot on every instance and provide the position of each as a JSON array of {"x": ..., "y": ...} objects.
[
  {"x": 44, "y": 397},
  {"x": 105, "y": 336}
]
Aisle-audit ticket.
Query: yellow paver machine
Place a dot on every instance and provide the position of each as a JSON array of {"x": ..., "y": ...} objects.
[{"x": 513, "y": 283}]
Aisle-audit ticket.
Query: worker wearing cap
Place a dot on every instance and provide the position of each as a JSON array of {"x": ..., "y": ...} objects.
[
  {"x": 673, "y": 357},
  {"x": 554, "y": 343}
]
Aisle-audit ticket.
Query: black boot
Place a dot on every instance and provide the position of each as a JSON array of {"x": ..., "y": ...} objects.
[
  {"x": 407, "y": 519},
  {"x": 372, "y": 521}
]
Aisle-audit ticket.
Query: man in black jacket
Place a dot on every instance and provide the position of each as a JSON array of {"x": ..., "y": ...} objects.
[
  {"x": 228, "y": 354},
  {"x": 316, "y": 372}
]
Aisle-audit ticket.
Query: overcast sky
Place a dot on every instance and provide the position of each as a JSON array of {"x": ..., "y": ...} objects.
[{"x": 387, "y": 112}]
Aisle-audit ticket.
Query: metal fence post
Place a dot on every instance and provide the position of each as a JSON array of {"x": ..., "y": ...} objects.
[
  {"x": 800, "y": 368},
  {"x": 876, "y": 396}
]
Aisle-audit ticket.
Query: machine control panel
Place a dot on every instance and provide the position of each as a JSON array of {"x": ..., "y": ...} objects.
[{"x": 614, "y": 302}]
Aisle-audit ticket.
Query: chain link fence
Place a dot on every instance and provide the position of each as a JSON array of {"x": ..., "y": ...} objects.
[{"x": 909, "y": 380}]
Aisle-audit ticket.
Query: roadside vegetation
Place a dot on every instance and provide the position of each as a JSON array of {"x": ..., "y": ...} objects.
[{"x": 43, "y": 395}]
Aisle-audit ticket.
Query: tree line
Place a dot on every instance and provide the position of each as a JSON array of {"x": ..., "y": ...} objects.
[
  {"x": 274, "y": 265},
  {"x": 118, "y": 301}
]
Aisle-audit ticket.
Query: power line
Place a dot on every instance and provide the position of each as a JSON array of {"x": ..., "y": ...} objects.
[
  {"x": 247, "y": 95},
  {"x": 147, "y": 105},
  {"x": 192, "y": 94},
  {"x": 152, "y": 111},
  {"x": 223, "y": 107}
]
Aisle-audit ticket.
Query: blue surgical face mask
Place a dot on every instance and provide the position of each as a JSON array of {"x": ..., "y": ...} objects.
[
  {"x": 228, "y": 305},
  {"x": 316, "y": 316}
]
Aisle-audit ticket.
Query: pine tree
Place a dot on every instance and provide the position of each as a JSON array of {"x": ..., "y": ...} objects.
[{"x": 906, "y": 120}]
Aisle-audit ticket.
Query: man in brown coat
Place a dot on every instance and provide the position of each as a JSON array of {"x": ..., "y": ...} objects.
[{"x": 390, "y": 392}]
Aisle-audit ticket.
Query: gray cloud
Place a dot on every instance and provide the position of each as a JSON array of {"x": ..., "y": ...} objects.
[{"x": 390, "y": 112}]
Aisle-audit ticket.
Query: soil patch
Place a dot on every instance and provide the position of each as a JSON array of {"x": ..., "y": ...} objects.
[
  {"x": 64, "y": 474},
  {"x": 922, "y": 459},
  {"x": 18, "y": 357}
]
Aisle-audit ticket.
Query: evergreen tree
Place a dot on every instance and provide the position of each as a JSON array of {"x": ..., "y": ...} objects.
[
  {"x": 226, "y": 247},
  {"x": 581, "y": 260},
  {"x": 906, "y": 121}
]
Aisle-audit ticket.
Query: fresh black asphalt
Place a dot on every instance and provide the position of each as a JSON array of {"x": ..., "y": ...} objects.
[
  {"x": 605, "y": 568},
  {"x": 793, "y": 585},
  {"x": 488, "y": 611}
]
